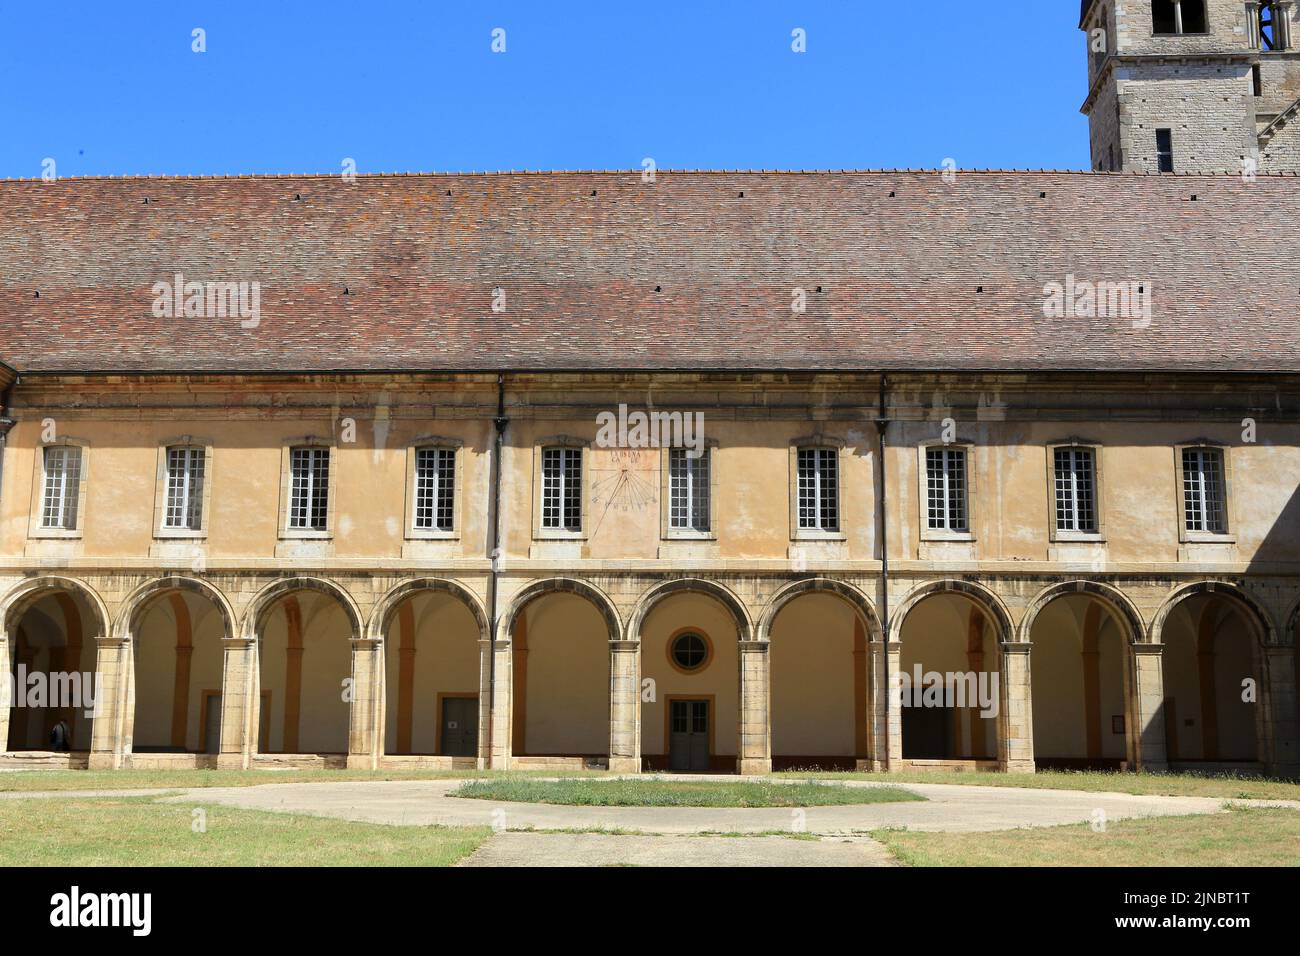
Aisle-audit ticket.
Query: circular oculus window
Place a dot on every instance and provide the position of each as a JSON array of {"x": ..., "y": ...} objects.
[{"x": 690, "y": 651}]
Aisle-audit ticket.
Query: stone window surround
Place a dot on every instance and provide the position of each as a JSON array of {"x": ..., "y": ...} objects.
[
  {"x": 160, "y": 488},
  {"x": 1229, "y": 534},
  {"x": 818, "y": 440},
  {"x": 923, "y": 490},
  {"x": 286, "y": 489},
  {"x": 560, "y": 534},
  {"x": 1098, "y": 491},
  {"x": 454, "y": 445},
  {"x": 34, "y": 528},
  {"x": 668, "y": 533}
]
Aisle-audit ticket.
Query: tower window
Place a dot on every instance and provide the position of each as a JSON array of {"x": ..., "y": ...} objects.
[
  {"x": 1269, "y": 29},
  {"x": 1172, "y": 17},
  {"x": 1165, "y": 150},
  {"x": 1258, "y": 77}
]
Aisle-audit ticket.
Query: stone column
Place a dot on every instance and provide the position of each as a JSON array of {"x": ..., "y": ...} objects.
[
  {"x": 365, "y": 724},
  {"x": 625, "y": 706},
  {"x": 109, "y": 738},
  {"x": 494, "y": 754},
  {"x": 6, "y": 701},
  {"x": 754, "y": 754},
  {"x": 1284, "y": 750},
  {"x": 240, "y": 706},
  {"x": 1016, "y": 722},
  {"x": 1145, "y": 719},
  {"x": 1282, "y": 24},
  {"x": 886, "y": 708},
  {"x": 1253, "y": 20}
]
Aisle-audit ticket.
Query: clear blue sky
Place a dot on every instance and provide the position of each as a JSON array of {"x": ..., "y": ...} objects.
[{"x": 112, "y": 86}]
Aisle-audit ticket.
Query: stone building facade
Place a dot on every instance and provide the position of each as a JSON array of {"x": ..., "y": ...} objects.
[
  {"x": 1214, "y": 85},
  {"x": 674, "y": 470}
]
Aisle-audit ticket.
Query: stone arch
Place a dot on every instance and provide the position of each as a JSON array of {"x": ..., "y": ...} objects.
[
  {"x": 1288, "y": 637},
  {"x": 387, "y": 604},
  {"x": 138, "y": 600},
  {"x": 24, "y": 595},
  {"x": 266, "y": 598},
  {"x": 1113, "y": 598},
  {"x": 853, "y": 595},
  {"x": 985, "y": 599},
  {"x": 601, "y": 600},
  {"x": 1261, "y": 621},
  {"x": 734, "y": 605},
  {"x": 176, "y": 667},
  {"x": 1205, "y": 720}
]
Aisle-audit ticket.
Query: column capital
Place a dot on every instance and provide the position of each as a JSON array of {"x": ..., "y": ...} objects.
[
  {"x": 624, "y": 647},
  {"x": 238, "y": 641},
  {"x": 111, "y": 640},
  {"x": 755, "y": 647},
  {"x": 365, "y": 641},
  {"x": 1146, "y": 647},
  {"x": 498, "y": 645},
  {"x": 1016, "y": 647}
]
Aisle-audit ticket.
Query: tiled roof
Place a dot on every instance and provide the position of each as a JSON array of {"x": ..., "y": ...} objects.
[{"x": 695, "y": 271}]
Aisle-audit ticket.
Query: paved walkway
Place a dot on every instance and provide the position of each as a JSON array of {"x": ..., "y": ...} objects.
[
  {"x": 599, "y": 849},
  {"x": 948, "y": 807}
]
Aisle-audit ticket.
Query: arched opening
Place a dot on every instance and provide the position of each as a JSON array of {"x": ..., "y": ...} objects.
[
  {"x": 177, "y": 635},
  {"x": 820, "y": 680},
  {"x": 431, "y": 686},
  {"x": 1213, "y": 682},
  {"x": 1077, "y": 661},
  {"x": 689, "y": 717},
  {"x": 560, "y": 659},
  {"x": 52, "y": 660},
  {"x": 306, "y": 659},
  {"x": 950, "y": 668}
]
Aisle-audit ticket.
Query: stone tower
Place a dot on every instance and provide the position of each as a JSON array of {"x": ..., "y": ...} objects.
[{"x": 1193, "y": 85}]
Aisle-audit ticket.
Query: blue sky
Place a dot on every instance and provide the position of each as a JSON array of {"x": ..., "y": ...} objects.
[{"x": 112, "y": 88}]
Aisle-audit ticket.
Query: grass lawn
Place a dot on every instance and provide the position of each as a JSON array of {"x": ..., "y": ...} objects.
[
  {"x": 1240, "y": 837},
  {"x": 28, "y": 780},
  {"x": 1143, "y": 784},
  {"x": 135, "y": 831},
  {"x": 649, "y": 792}
]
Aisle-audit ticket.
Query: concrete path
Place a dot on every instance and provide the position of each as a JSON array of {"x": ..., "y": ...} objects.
[
  {"x": 598, "y": 849},
  {"x": 948, "y": 807}
]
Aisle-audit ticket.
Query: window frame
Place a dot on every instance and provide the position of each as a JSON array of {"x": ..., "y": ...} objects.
[
  {"x": 1229, "y": 533},
  {"x": 818, "y": 442},
  {"x": 162, "y": 481},
  {"x": 413, "y": 449},
  {"x": 1180, "y": 21},
  {"x": 286, "y": 489},
  {"x": 1161, "y": 153},
  {"x": 923, "y": 489},
  {"x": 540, "y": 532},
  {"x": 666, "y": 530},
  {"x": 1098, "y": 511},
  {"x": 35, "y": 528}
]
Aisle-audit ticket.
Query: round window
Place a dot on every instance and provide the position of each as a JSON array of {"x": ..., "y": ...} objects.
[{"x": 690, "y": 651}]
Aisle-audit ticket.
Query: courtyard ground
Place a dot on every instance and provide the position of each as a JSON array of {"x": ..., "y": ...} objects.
[{"x": 411, "y": 820}]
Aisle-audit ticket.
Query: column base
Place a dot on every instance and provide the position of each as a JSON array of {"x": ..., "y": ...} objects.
[
  {"x": 497, "y": 762},
  {"x": 1290, "y": 771},
  {"x": 624, "y": 764},
  {"x": 362, "y": 762},
  {"x": 104, "y": 761},
  {"x": 753, "y": 766},
  {"x": 1018, "y": 766},
  {"x": 1152, "y": 766},
  {"x": 232, "y": 761}
]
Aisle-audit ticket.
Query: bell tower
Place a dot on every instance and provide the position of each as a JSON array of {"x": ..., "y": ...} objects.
[{"x": 1193, "y": 85}]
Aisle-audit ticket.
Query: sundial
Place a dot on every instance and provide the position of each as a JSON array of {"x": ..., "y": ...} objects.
[{"x": 624, "y": 480}]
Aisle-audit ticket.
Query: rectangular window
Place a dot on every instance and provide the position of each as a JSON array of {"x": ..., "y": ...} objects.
[
  {"x": 1172, "y": 17},
  {"x": 435, "y": 488},
  {"x": 184, "y": 489},
  {"x": 62, "y": 487},
  {"x": 1257, "y": 79},
  {"x": 1076, "y": 496},
  {"x": 945, "y": 476},
  {"x": 309, "y": 498},
  {"x": 819, "y": 505},
  {"x": 688, "y": 491},
  {"x": 1203, "y": 496},
  {"x": 562, "y": 488},
  {"x": 1165, "y": 150}
]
